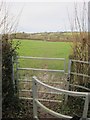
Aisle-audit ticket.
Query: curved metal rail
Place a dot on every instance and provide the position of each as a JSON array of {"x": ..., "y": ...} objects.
[
  {"x": 66, "y": 92},
  {"x": 58, "y": 115}
]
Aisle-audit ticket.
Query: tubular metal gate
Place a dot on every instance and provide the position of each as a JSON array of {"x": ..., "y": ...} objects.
[
  {"x": 62, "y": 71},
  {"x": 66, "y": 92},
  {"x": 70, "y": 72},
  {"x": 77, "y": 61}
]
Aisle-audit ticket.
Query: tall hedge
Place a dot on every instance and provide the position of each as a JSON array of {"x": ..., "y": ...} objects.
[{"x": 9, "y": 98}]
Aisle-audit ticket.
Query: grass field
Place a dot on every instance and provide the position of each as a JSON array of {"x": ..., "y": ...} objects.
[{"x": 44, "y": 49}]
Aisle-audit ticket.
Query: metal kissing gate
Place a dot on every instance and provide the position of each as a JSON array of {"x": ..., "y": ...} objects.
[
  {"x": 35, "y": 82},
  {"x": 36, "y": 102}
]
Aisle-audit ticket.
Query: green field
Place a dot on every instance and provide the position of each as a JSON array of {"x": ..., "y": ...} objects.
[{"x": 44, "y": 49}]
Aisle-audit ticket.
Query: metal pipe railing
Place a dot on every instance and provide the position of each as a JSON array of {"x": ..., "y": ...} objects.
[
  {"x": 39, "y": 58},
  {"x": 71, "y": 93}
]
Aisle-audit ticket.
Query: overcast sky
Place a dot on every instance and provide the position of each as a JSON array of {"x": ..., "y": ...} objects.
[{"x": 44, "y": 16}]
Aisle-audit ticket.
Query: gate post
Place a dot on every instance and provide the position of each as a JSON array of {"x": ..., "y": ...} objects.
[
  {"x": 16, "y": 82},
  {"x": 67, "y": 88},
  {"x": 34, "y": 92},
  {"x": 86, "y": 105},
  {"x": 13, "y": 74},
  {"x": 68, "y": 80}
]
